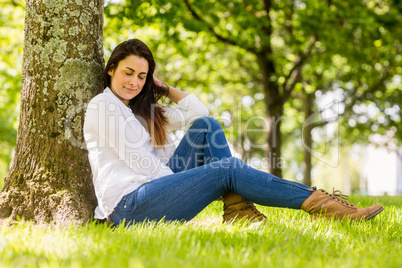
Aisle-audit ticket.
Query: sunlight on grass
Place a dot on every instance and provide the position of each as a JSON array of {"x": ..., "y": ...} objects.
[{"x": 288, "y": 239}]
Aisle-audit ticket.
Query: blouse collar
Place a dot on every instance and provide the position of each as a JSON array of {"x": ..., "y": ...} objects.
[{"x": 108, "y": 90}]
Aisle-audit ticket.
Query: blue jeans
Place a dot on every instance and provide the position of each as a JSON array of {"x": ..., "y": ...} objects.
[{"x": 204, "y": 170}]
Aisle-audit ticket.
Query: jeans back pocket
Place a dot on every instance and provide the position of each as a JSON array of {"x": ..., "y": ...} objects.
[{"x": 122, "y": 202}]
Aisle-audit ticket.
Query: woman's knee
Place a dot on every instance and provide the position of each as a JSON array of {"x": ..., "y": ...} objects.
[
  {"x": 207, "y": 122},
  {"x": 231, "y": 162},
  {"x": 236, "y": 162}
]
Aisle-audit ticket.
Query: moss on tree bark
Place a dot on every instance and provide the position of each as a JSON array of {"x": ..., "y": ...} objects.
[{"x": 50, "y": 179}]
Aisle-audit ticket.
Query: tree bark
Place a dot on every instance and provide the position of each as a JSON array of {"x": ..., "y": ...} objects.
[{"x": 50, "y": 178}]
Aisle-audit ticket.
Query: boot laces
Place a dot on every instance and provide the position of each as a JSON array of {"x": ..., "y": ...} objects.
[
  {"x": 250, "y": 205},
  {"x": 337, "y": 195}
]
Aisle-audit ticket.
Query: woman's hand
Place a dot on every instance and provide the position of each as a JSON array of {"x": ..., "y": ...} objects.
[
  {"x": 162, "y": 85},
  {"x": 172, "y": 93},
  {"x": 157, "y": 81}
]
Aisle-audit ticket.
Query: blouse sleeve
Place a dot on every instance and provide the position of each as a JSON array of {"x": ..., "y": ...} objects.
[
  {"x": 190, "y": 108},
  {"x": 124, "y": 135}
]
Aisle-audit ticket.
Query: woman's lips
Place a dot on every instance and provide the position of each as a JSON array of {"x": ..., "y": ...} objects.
[{"x": 130, "y": 89}]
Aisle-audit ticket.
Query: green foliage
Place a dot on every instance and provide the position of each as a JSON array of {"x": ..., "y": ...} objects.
[
  {"x": 358, "y": 54},
  {"x": 288, "y": 239},
  {"x": 356, "y": 48},
  {"x": 11, "y": 43},
  {"x": 220, "y": 75}
]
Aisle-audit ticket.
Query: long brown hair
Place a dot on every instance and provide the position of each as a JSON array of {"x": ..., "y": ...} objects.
[{"x": 144, "y": 105}]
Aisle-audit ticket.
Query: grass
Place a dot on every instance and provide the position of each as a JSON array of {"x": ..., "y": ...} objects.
[{"x": 288, "y": 239}]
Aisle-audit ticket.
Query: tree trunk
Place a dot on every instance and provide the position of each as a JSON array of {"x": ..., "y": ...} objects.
[
  {"x": 274, "y": 109},
  {"x": 307, "y": 138},
  {"x": 274, "y": 141},
  {"x": 50, "y": 178}
]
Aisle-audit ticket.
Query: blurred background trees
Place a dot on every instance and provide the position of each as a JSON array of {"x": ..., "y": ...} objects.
[
  {"x": 11, "y": 46},
  {"x": 300, "y": 87}
]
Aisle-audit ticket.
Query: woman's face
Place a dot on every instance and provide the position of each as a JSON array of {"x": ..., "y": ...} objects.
[{"x": 128, "y": 78}]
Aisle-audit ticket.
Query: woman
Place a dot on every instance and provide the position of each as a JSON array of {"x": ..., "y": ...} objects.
[{"x": 138, "y": 173}]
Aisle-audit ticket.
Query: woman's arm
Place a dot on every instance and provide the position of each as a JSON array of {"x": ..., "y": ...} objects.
[
  {"x": 190, "y": 108},
  {"x": 174, "y": 94},
  {"x": 107, "y": 125}
]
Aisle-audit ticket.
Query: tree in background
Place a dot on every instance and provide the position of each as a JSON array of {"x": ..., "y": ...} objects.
[
  {"x": 50, "y": 178},
  {"x": 248, "y": 26},
  {"x": 288, "y": 44},
  {"x": 357, "y": 55},
  {"x": 351, "y": 38}
]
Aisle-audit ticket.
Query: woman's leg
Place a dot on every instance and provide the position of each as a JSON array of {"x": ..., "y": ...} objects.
[
  {"x": 204, "y": 143},
  {"x": 182, "y": 195}
]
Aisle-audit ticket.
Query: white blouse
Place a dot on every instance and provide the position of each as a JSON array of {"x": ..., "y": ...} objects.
[{"x": 119, "y": 148}]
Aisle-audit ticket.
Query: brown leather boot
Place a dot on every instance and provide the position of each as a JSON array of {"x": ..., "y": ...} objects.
[
  {"x": 321, "y": 203},
  {"x": 236, "y": 207}
]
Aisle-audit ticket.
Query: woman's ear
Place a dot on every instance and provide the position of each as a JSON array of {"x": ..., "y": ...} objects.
[{"x": 111, "y": 70}]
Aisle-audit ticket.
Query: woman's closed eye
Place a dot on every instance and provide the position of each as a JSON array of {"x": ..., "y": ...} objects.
[{"x": 140, "y": 77}]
